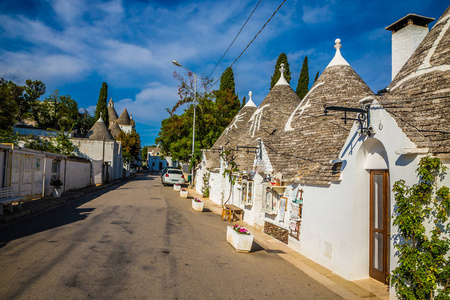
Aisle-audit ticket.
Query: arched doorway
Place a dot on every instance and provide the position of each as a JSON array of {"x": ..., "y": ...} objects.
[{"x": 372, "y": 157}]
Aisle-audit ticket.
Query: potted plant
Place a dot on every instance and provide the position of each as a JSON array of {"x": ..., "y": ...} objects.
[
  {"x": 240, "y": 238},
  {"x": 176, "y": 187},
  {"x": 56, "y": 184},
  {"x": 183, "y": 193},
  {"x": 197, "y": 204}
]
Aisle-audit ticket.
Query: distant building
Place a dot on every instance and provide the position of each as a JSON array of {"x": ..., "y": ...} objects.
[
  {"x": 125, "y": 122},
  {"x": 155, "y": 162},
  {"x": 103, "y": 150}
]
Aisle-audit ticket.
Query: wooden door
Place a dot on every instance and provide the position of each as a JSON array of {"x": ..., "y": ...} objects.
[{"x": 379, "y": 225}]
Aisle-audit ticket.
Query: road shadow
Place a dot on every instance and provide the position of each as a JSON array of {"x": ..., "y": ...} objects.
[{"x": 49, "y": 216}]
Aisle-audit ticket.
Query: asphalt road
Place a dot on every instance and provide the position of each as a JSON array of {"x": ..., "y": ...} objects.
[{"x": 139, "y": 240}]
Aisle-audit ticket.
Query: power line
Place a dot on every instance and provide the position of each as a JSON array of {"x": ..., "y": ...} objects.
[
  {"x": 234, "y": 39},
  {"x": 253, "y": 38}
]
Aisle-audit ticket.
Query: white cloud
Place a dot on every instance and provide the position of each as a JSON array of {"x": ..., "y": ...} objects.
[
  {"x": 149, "y": 105},
  {"x": 57, "y": 68},
  {"x": 319, "y": 14},
  {"x": 68, "y": 10}
]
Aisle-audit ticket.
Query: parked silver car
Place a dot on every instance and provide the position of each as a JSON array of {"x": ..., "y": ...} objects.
[{"x": 172, "y": 176}]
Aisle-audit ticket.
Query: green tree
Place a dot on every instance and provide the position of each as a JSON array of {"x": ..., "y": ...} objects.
[
  {"x": 282, "y": 59},
  {"x": 57, "y": 112},
  {"x": 317, "y": 77},
  {"x": 17, "y": 102},
  {"x": 131, "y": 145},
  {"x": 227, "y": 81},
  {"x": 144, "y": 153},
  {"x": 244, "y": 101},
  {"x": 9, "y": 109},
  {"x": 303, "y": 80},
  {"x": 60, "y": 144},
  {"x": 102, "y": 106},
  {"x": 423, "y": 270},
  {"x": 33, "y": 90},
  {"x": 214, "y": 111},
  {"x": 9, "y": 137},
  {"x": 84, "y": 123}
]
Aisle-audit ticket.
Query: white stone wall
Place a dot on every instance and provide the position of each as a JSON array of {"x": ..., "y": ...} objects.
[
  {"x": 77, "y": 175},
  {"x": 110, "y": 152},
  {"x": 404, "y": 43}
]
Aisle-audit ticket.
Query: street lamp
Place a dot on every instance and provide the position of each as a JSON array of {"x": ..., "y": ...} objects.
[{"x": 193, "y": 127}]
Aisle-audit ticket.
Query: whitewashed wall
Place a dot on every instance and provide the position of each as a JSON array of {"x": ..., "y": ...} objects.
[
  {"x": 77, "y": 175},
  {"x": 335, "y": 225},
  {"x": 404, "y": 43},
  {"x": 110, "y": 152}
]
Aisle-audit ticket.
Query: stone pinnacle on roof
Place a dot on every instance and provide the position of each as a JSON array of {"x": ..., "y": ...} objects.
[
  {"x": 250, "y": 102},
  {"x": 338, "y": 60},
  {"x": 282, "y": 80}
]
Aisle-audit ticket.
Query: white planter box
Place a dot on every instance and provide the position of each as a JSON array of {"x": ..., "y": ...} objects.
[
  {"x": 197, "y": 206},
  {"x": 176, "y": 187},
  {"x": 240, "y": 242},
  {"x": 183, "y": 194}
]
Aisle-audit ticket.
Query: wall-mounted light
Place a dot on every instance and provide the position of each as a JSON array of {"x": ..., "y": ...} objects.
[{"x": 363, "y": 116}]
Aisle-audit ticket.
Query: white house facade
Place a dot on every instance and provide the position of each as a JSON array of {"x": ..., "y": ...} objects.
[{"x": 323, "y": 185}]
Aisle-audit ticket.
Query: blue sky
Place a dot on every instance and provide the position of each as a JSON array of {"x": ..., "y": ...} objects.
[{"x": 74, "y": 46}]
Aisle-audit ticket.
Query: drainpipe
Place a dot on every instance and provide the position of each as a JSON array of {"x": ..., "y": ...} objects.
[
  {"x": 103, "y": 159},
  {"x": 65, "y": 170},
  {"x": 43, "y": 177},
  {"x": 5, "y": 168}
]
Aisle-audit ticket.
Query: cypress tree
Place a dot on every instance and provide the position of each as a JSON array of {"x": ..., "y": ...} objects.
[
  {"x": 317, "y": 77},
  {"x": 102, "y": 104},
  {"x": 282, "y": 59},
  {"x": 303, "y": 80},
  {"x": 244, "y": 100},
  {"x": 227, "y": 81}
]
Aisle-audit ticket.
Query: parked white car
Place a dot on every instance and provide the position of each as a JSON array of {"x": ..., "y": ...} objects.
[{"x": 172, "y": 176}]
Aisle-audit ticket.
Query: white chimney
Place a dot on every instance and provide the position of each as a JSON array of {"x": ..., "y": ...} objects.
[{"x": 407, "y": 34}]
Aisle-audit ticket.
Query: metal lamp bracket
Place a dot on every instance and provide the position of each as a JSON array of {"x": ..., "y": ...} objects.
[{"x": 363, "y": 116}]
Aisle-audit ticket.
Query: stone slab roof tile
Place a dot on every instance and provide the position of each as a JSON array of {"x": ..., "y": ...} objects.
[
  {"x": 307, "y": 144},
  {"x": 99, "y": 131}
]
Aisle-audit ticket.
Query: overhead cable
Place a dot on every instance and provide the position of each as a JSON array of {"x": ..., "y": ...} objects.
[
  {"x": 253, "y": 38},
  {"x": 234, "y": 39}
]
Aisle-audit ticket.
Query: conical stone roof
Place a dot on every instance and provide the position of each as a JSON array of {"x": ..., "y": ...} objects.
[
  {"x": 419, "y": 96},
  {"x": 115, "y": 130},
  {"x": 271, "y": 115},
  {"x": 99, "y": 131},
  {"x": 308, "y": 143},
  {"x": 232, "y": 134},
  {"x": 112, "y": 114},
  {"x": 267, "y": 121},
  {"x": 124, "y": 118}
]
